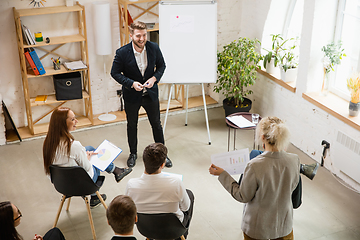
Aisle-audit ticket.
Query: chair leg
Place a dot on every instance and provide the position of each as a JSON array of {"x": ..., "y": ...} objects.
[
  {"x": 59, "y": 211},
  {"x": 68, "y": 205},
  {"x": 182, "y": 237},
  {"x": 90, "y": 217},
  {"x": 101, "y": 199}
]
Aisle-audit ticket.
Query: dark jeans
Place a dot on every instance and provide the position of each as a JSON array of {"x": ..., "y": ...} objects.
[
  {"x": 188, "y": 214},
  {"x": 152, "y": 109}
]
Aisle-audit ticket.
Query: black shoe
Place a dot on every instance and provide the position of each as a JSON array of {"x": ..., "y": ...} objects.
[
  {"x": 125, "y": 171},
  {"x": 132, "y": 160},
  {"x": 95, "y": 201},
  {"x": 309, "y": 170},
  {"x": 168, "y": 163}
]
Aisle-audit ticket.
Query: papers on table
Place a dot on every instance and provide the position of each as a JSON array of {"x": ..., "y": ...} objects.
[
  {"x": 233, "y": 162},
  {"x": 240, "y": 121},
  {"x": 106, "y": 154},
  {"x": 76, "y": 65}
]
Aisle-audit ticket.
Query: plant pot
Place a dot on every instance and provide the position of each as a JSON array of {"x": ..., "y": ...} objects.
[
  {"x": 271, "y": 69},
  {"x": 290, "y": 75},
  {"x": 229, "y": 107},
  {"x": 354, "y": 109}
]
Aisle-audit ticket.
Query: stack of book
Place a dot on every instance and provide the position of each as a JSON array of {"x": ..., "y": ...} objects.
[{"x": 30, "y": 54}]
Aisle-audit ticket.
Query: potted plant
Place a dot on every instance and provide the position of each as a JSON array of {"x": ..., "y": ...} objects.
[
  {"x": 237, "y": 65},
  {"x": 289, "y": 60},
  {"x": 273, "y": 58},
  {"x": 353, "y": 84},
  {"x": 333, "y": 54}
]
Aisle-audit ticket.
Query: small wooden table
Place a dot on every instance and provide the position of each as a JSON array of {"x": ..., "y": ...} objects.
[{"x": 231, "y": 125}]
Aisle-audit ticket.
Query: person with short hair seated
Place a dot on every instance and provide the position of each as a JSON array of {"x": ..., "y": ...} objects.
[
  {"x": 10, "y": 218},
  {"x": 155, "y": 192},
  {"x": 61, "y": 149},
  {"x": 121, "y": 216}
]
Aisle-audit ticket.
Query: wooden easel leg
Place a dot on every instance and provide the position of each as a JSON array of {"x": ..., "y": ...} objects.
[
  {"x": 59, "y": 211},
  {"x": 90, "y": 217}
]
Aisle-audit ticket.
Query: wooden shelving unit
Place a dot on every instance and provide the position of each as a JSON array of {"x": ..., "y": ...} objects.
[
  {"x": 124, "y": 20},
  {"x": 56, "y": 42}
]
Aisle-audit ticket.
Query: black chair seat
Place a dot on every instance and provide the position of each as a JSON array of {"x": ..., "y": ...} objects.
[
  {"x": 161, "y": 226},
  {"x": 75, "y": 182}
]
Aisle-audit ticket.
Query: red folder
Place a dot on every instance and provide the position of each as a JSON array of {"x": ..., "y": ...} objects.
[{"x": 31, "y": 62}]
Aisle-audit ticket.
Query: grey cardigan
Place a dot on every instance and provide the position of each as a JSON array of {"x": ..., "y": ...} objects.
[{"x": 266, "y": 188}]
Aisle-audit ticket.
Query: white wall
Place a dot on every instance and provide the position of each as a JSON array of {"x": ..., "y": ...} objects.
[
  {"x": 308, "y": 124},
  {"x": 10, "y": 80}
]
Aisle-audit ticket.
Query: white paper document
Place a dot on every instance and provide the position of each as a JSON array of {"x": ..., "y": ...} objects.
[
  {"x": 106, "y": 154},
  {"x": 233, "y": 162},
  {"x": 240, "y": 121}
]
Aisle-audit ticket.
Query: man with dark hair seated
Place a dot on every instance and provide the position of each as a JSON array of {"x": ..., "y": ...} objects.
[
  {"x": 121, "y": 216},
  {"x": 155, "y": 192}
]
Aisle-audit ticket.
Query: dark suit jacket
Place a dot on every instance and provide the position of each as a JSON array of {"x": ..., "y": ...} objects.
[
  {"x": 125, "y": 70},
  {"x": 123, "y": 238}
]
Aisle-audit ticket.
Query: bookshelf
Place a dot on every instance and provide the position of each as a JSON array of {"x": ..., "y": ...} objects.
[
  {"x": 56, "y": 42},
  {"x": 124, "y": 20}
]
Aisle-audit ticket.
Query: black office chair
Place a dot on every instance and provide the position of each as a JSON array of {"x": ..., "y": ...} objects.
[
  {"x": 75, "y": 182},
  {"x": 160, "y": 226}
]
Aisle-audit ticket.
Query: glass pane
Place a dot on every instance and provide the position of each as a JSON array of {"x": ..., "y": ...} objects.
[{"x": 350, "y": 42}]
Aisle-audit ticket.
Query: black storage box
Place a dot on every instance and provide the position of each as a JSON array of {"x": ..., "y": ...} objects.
[{"x": 68, "y": 86}]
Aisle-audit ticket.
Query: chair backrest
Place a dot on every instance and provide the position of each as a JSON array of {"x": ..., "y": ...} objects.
[
  {"x": 160, "y": 226},
  {"x": 73, "y": 181}
]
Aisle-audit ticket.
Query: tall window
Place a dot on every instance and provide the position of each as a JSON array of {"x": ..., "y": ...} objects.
[{"x": 348, "y": 31}]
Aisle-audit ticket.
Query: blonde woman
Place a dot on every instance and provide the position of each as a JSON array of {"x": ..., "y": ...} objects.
[{"x": 270, "y": 186}]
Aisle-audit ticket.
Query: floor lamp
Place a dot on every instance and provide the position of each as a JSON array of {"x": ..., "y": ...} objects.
[{"x": 103, "y": 46}]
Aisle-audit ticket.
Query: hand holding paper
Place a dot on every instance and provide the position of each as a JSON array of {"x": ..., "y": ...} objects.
[
  {"x": 233, "y": 162},
  {"x": 215, "y": 170}
]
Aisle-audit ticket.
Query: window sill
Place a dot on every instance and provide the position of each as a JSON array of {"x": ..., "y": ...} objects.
[
  {"x": 291, "y": 86},
  {"x": 335, "y": 106}
]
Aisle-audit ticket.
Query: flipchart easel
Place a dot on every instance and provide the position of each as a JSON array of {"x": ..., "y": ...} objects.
[{"x": 187, "y": 101}]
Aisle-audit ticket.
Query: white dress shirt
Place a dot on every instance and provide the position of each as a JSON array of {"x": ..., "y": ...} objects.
[
  {"x": 141, "y": 59},
  {"x": 158, "y": 193},
  {"x": 77, "y": 157}
]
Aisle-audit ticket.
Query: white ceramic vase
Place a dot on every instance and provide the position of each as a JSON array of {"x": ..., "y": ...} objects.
[
  {"x": 290, "y": 75},
  {"x": 271, "y": 69}
]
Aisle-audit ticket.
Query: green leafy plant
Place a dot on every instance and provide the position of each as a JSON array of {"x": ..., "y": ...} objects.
[
  {"x": 288, "y": 57},
  {"x": 237, "y": 65},
  {"x": 333, "y": 54},
  {"x": 277, "y": 43},
  {"x": 282, "y": 51}
]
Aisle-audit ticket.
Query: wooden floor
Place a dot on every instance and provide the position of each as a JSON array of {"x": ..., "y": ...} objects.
[{"x": 120, "y": 116}]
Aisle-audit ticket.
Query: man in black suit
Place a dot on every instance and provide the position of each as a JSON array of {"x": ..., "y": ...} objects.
[
  {"x": 138, "y": 67},
  {"x": 121, "y": 216}
]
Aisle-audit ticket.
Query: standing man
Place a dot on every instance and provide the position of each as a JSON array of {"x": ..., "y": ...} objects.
[
  {"x": 155, "y": 192},
  {"x": 138, "y": 67},
  {"x": 121, "y": 216}
]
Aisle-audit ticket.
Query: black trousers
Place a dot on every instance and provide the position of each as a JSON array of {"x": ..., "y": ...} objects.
[
  {"x": 188, "y": 214},
  {"x": 152, "y": 109}
]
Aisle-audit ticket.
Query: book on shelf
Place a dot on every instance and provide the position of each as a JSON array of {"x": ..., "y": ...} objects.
[
  {"x": 31, "y": 63},
  {"x": 41, "y": 98},
  {"x": 29, "y": 38},
  {"x": 37, "y": 61},
  {"x": 75, "y": 65}
]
